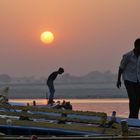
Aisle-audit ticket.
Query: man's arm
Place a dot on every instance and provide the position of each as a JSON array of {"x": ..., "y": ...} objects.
[
  {"x": 120, "y": 71},
  {"x": 123, "y": 64}
]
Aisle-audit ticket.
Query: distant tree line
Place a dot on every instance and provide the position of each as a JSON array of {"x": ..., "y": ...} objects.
[
  {"x": 91, "y": 77},
  {"x": 4, "y": 78}
]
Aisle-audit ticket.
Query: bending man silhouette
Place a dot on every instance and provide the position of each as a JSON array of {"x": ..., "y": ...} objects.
[
  {"x": 50, "y": 84},
  {"x": 130, "y": 70}
]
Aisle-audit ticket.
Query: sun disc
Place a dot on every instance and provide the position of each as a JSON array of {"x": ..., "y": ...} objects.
[{"x": 47, "y": 37}]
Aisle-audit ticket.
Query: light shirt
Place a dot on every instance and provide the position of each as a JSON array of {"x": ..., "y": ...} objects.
[{"x": 130, "y": 64}]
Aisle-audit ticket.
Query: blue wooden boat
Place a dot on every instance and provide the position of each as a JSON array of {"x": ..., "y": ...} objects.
[{"x": 44, "y": 120}]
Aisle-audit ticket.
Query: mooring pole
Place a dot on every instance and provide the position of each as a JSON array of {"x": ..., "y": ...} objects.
[
  {"x": 46, "y": 97},
  {"x": 34, "y": 103},
  {"x": 113, "y": 117},
  {"x": 124, "y": 127}
]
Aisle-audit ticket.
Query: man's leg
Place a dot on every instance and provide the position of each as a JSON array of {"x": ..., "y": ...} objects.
[
  {"x": 133, "y": 99},
  {"x": 51, "y": 95},
  {"x": 138, "y": 94}
]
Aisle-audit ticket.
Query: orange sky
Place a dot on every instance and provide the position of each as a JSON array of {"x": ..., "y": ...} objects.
[{"x": 89, "y": 35}]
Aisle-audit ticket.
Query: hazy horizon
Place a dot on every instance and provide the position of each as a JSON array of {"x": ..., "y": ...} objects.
[
  {"x": 89, "y": 35},
  {"x": 59, "y": 77}
]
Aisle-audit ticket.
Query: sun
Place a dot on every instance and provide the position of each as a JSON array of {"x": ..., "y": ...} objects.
[{"x": 47, "y": 37}]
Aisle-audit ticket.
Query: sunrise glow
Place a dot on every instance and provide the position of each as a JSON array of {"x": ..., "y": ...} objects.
[{"x": 47, "y": 37}]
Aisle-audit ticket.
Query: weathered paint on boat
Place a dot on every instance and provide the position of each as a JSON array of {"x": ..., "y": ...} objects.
[
  {"x": 28, "y": 130},
  {"x": 83, "y": 123}
]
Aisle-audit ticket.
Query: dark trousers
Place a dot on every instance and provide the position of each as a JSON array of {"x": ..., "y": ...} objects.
[
  {"x": 133, "y": 91},
  {"x": 51, "y": 92}
]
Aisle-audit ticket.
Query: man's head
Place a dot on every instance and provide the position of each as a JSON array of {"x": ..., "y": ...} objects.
[
  {"x": 60, "y": 70},
  {"x": 137, "y": 45}
]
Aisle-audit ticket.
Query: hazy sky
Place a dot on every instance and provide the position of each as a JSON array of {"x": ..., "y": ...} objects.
[{"x": 89, "y": 35}]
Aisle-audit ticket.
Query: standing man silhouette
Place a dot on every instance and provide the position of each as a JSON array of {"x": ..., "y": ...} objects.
[
  {"x": 130, "y": 70},
  {"x": 50, "y": 84}
]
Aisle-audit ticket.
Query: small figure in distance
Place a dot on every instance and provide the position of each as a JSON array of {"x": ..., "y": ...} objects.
[
  {"x": 50, "y": 84},
  {"x": 130, "y": 70}
]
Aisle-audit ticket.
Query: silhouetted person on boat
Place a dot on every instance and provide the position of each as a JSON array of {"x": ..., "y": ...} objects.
[
  {"x": 50, "y": 83},
  {"x": 130, "y": 70}
]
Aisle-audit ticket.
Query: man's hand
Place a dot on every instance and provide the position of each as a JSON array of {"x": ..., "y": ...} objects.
[{"x": 118, "y": 84}]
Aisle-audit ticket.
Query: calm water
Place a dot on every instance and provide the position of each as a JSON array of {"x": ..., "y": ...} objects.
[{"x": 98, "y": 105}]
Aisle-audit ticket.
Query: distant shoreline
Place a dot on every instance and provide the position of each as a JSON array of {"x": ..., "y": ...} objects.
[{"x": 70, "y": 91}]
